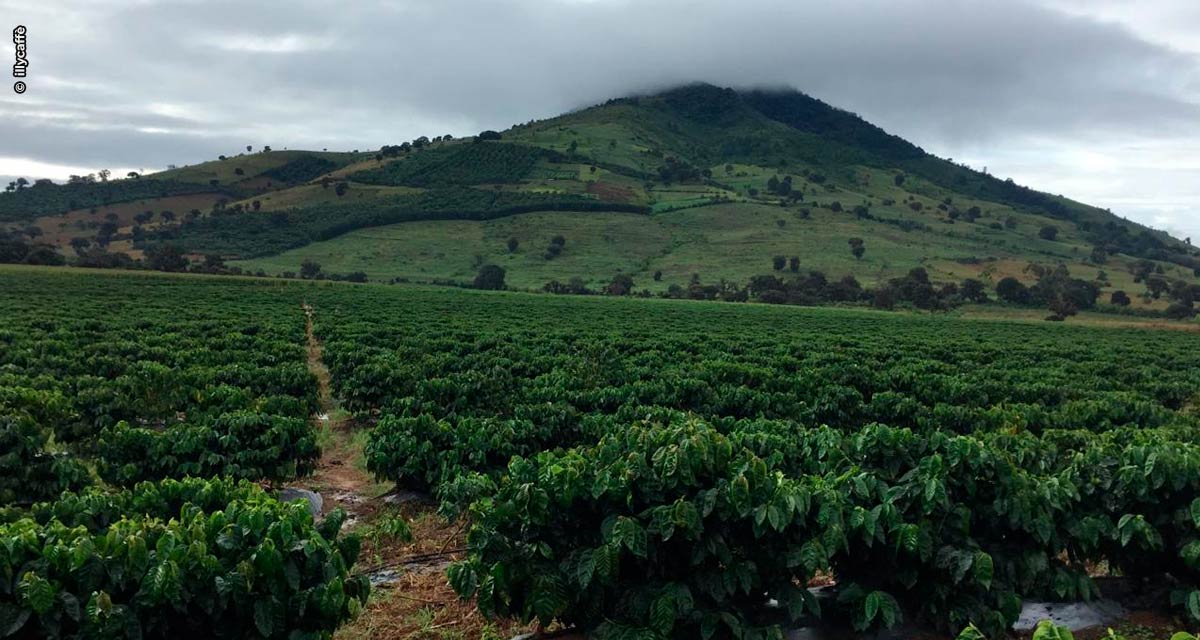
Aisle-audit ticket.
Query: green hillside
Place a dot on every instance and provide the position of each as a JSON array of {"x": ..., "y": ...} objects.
[{"x": 694, "y": 183}]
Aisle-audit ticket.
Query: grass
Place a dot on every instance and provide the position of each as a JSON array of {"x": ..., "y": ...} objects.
[{"x": 728, "y": 241}]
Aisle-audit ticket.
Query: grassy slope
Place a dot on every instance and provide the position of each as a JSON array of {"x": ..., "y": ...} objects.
[{"x": 733, "y": 241}]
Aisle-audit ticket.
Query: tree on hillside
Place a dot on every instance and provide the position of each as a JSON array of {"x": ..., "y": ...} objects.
[
  {"x": 794, "y": 264},
  {"x": 621, "y": 285},
  {"x": 310, "y": 269},
  {"x": 555, "y": 248},
  {"x": 973, "y": 290},
  {"x": 1120, "y": 298},
  {"x": 1011, "y": 290},
  {"x": 490, "y": 277},
  {"x": 513, "y": 243},
  {"x": 779, "y": 262},
  {"x": 857, "y": 248},
  {"x": 166, "y": 257},
  {"x": 1048, "y": 232},
  {"x": 484, "y": 136},
  {"x": 1157, "y": 286}
]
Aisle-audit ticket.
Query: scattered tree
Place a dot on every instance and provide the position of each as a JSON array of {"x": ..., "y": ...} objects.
[
  {"x": 1011, "y": 290},
  {"x": 621, "y": 285},
  {"x": 166, "y": 257},
  {"x": 490, "y": 277},
  {"x": 857, "y": 248},
  {"x": 310, "y": 269}
]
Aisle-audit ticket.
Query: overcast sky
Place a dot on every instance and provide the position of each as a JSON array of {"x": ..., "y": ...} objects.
[{"x": 1096, "y": 99}]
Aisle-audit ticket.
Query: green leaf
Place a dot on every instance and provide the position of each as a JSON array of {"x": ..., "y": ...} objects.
[
  {"x": 548, "y": 599},
  {"x": 1192, "y": 604},
  {"x": 871, "y": 605},
  {"x": 584, "y": 568},
  {"x": 984, "y": 569},
  {"x": 972, "y": 632},
  {"x": 462, "y": 578},
  {"x": 36, "y": 592},
  {"x": 264, "y": 617},
  {"x": 1046, "y": 630},
  {"x": 889, "y": 610},
  {"x": 739, "y": 494},
  {"x": 1191, "y": 554},
  {"x": 662, "y": 614}
]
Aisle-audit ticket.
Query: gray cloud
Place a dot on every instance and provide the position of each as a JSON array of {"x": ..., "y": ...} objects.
[{"x": 1024, "y": 87}]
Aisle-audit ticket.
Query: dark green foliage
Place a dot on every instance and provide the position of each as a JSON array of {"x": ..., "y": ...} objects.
[
  {"x": 669, "y": 532},
  {"x": 310, "y": 269},
  {"x": 236, "y": 445},
  {"x": 43, "y": 199},
  {"x": 490, "y": 277},
  {"x": 166, "y": 257},
  {"x": 28, "y": 472},
  {"x": 15, "y": 249},
  {"x": 249, "y": 234},
  {"x": 1009, "y": 289},
  {"x": 301, "y": 169},
  {"x": 972, "y": 290},
  {"x": 620, "y": 285},
  {"x": 191, "y": 559},
  {"x": 460, "y": 164},
  {"x": 123, "y": 379}
]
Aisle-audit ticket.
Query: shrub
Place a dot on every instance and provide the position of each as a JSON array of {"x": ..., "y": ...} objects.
[
  {"x": 169, "y": 560},
  {"x": 236, "y": 445},
  {"x": 672, "y": 532}
]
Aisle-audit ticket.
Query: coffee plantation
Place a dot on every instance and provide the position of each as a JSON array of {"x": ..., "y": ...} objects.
[{"x": 629, "y": 468}]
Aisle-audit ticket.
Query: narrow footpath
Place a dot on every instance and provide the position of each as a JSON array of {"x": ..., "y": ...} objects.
[
  {"x": 411, "y": 597},
  {"x": 340, "y": 482}
]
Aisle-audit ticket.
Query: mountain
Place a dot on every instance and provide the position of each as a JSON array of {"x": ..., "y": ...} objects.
[{"x": 695, "y": 182}]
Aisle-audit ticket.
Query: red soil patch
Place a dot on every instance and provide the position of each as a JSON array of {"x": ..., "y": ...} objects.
[{"x": 610, "y": 192}]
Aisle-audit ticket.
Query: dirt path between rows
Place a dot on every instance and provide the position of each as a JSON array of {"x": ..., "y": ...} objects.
[
  {"x": 339, "y": 481},
  {"x": 411, "y": 597}
]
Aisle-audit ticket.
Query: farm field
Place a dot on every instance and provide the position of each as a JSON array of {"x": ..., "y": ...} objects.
[{"x": 621, "y": 467}]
